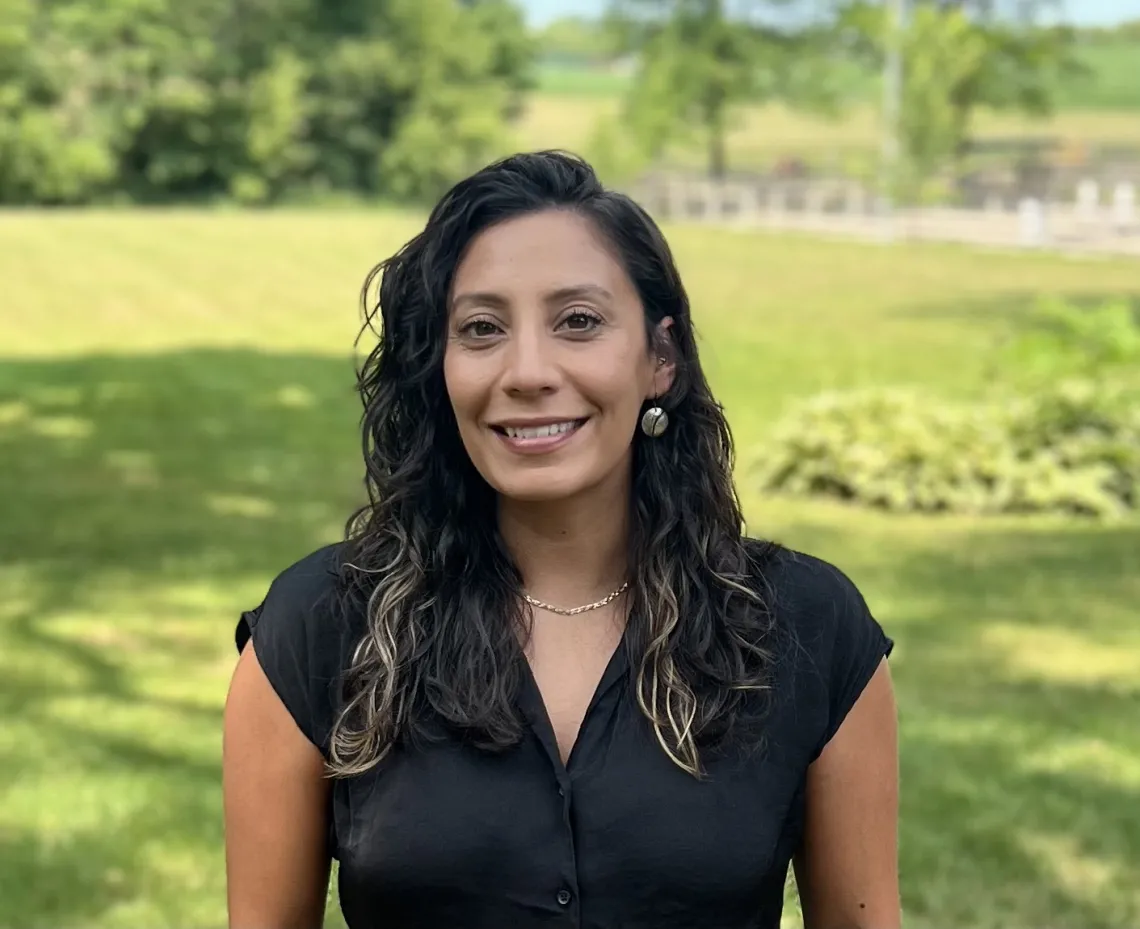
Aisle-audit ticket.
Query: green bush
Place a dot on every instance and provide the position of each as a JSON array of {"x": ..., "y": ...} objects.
[
  {"x": 1063, "y": 339},
  {"x": 1074, "y": 448}
]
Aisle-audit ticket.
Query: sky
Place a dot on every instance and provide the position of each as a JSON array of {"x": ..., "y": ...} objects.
[{"x": 1083, "y": 12}]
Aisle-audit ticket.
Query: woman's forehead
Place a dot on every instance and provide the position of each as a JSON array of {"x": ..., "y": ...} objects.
[{"x": 548, "y": 250}]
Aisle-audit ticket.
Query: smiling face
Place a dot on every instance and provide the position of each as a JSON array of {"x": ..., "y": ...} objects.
[{"x": 547, "y": 363}]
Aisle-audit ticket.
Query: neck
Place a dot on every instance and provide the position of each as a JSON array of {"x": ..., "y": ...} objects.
[{"x": 570, "y": 552}]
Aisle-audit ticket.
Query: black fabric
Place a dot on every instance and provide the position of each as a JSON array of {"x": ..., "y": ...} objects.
[{"x": 448, "y": 837}]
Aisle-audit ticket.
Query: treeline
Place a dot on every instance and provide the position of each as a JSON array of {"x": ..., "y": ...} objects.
[
  {"x": 264, "y": 101},
  {"x": 586, "y": 41},
  {"x": 153, "y": 101}
]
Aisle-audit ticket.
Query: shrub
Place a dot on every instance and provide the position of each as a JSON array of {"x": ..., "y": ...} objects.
[
  {"x": 1063, "y": 339},
  {"x": 1074, "y": 448}
]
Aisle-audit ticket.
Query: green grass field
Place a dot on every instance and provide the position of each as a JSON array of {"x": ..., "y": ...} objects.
[{"x": 177, "y": 424}]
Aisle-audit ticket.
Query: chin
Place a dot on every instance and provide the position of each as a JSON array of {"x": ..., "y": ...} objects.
[{"x": 537, "y": 488}]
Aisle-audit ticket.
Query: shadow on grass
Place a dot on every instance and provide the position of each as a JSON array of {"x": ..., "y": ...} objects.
[
  {"x": 219, "y": 461},
  {"x": 75, "y": 880},
  {"x": 195, "y": 468},
  {"x": 1020, "y": 752},
  {"x": 122, "y": 480},
  {"x": 1016, "y": 310},
  {"x": 215, "y": 469}
]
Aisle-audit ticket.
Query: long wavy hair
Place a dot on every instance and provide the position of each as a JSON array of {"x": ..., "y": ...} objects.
[{"x": 442, "y": 595}]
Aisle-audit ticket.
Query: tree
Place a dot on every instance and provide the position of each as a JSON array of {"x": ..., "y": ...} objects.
[
  {"x": 697, "y": 60},
  {"x": 958, "y": 58},
  {"x": 413, "y": 94},
  {"x": 941, "y": 49},
  {"x": 253, "y": 99}
]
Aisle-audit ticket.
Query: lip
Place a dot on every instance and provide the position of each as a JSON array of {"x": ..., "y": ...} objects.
[{"x": 537, "y": 445}]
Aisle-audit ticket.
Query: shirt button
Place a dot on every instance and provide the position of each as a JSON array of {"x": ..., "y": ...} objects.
[{"x": 563, "y": 898}]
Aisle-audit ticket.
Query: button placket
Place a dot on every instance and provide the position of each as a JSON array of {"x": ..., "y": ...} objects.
[{"x": 565, "y": 894}]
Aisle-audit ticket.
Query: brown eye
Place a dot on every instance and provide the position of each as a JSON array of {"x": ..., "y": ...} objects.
[
  {"x": 581, "y": 321},
  {"x": 479, "y": 329}
]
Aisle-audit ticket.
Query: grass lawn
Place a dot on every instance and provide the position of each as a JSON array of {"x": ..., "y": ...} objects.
[{"x": 177, "y": 424}]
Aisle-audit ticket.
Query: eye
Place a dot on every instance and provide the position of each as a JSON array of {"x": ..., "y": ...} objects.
[
  {"x": 580, "y": 321},
  {"x": 479, "y": 329}
]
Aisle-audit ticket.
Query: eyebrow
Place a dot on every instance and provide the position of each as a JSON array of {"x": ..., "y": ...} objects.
[{"x": 559, "y": 295}]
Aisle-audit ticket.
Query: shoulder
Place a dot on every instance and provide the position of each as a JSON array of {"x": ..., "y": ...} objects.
[
  {"x": 832, "y": 642},
  {"x": 801, "y": 586},
  {"x": 303, "y": 631},
  {"x": 303, "y": 592},
  {"x": 809, "y": 589}
]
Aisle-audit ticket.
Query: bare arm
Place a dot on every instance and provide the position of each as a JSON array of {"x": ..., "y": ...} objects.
[
  {"x": 847, "y": 867},
  {"x": 275, "y": 798}
]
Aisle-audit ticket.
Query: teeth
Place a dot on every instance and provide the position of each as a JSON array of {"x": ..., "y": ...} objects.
[{"x": 539, "y": 432}]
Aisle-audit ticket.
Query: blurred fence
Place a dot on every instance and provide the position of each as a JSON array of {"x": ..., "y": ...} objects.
[{"x": 1077, "y": 206}]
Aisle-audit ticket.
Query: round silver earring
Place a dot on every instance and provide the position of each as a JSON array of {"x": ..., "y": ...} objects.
[{"x": 654, "y": 422}]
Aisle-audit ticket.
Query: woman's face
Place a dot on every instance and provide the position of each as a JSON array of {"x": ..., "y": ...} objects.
[{"x": 547, "y": 363}]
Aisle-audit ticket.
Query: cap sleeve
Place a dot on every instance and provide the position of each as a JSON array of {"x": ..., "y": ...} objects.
[
  {"x": 838, "y": 638},
  {"x": 860, "y": 647},
  {"x": 299, "y": 641}
]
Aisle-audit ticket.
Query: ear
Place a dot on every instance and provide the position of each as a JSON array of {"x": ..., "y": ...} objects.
[{"x": 664, "y": 358}]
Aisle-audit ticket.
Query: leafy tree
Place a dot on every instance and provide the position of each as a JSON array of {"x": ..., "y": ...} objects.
[
  {"x": 941, "y": 49},
  {"x": 698, "y": 60},
  {"x": 418, "y": 99},
  {"x": 959, "y": 57},
  {"x": 253, "y": 99}
]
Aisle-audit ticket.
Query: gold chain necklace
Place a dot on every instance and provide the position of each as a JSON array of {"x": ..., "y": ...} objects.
[{"x": 578, "y": 609}]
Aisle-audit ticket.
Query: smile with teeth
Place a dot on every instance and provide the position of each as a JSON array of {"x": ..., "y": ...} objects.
[{"x": 541, "y": 432}]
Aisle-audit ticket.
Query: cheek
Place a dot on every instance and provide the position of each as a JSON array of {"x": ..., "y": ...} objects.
[
  {"x": 622, "y": 389},
  {"x": 457, "y": 379},
  {"x": 635, "y": 380}
]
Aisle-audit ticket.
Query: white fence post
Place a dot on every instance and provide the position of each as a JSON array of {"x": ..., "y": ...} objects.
[
  {"x": 1032, "y": 231},
  {"x": 1124, "y": 206},
  {"x": 1088, "y": 201},
  {"x": 777, "y": 202}
]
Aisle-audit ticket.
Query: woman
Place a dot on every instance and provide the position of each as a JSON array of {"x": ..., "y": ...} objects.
[{"x": 546, "y": 680}]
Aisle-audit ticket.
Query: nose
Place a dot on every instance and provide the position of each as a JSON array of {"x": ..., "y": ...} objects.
[{"x": 530, "y": 366}]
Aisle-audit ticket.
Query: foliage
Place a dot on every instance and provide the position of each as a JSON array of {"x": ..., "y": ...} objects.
[
  {"x": 696, "y": 63},
  {"x": 1065, "y": 339},
  {"x": 1070, "y": 443},
  {"x": 957, "y": 61},
  {"x": 617, "y": 158},
  {"x": 941, "y": 50},
  {"x": 1072, "y": 449},
  {"x": 199, "y": 99}
]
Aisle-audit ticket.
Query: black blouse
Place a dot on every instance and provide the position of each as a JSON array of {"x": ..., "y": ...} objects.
[{"x": 449, "y": 837}]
